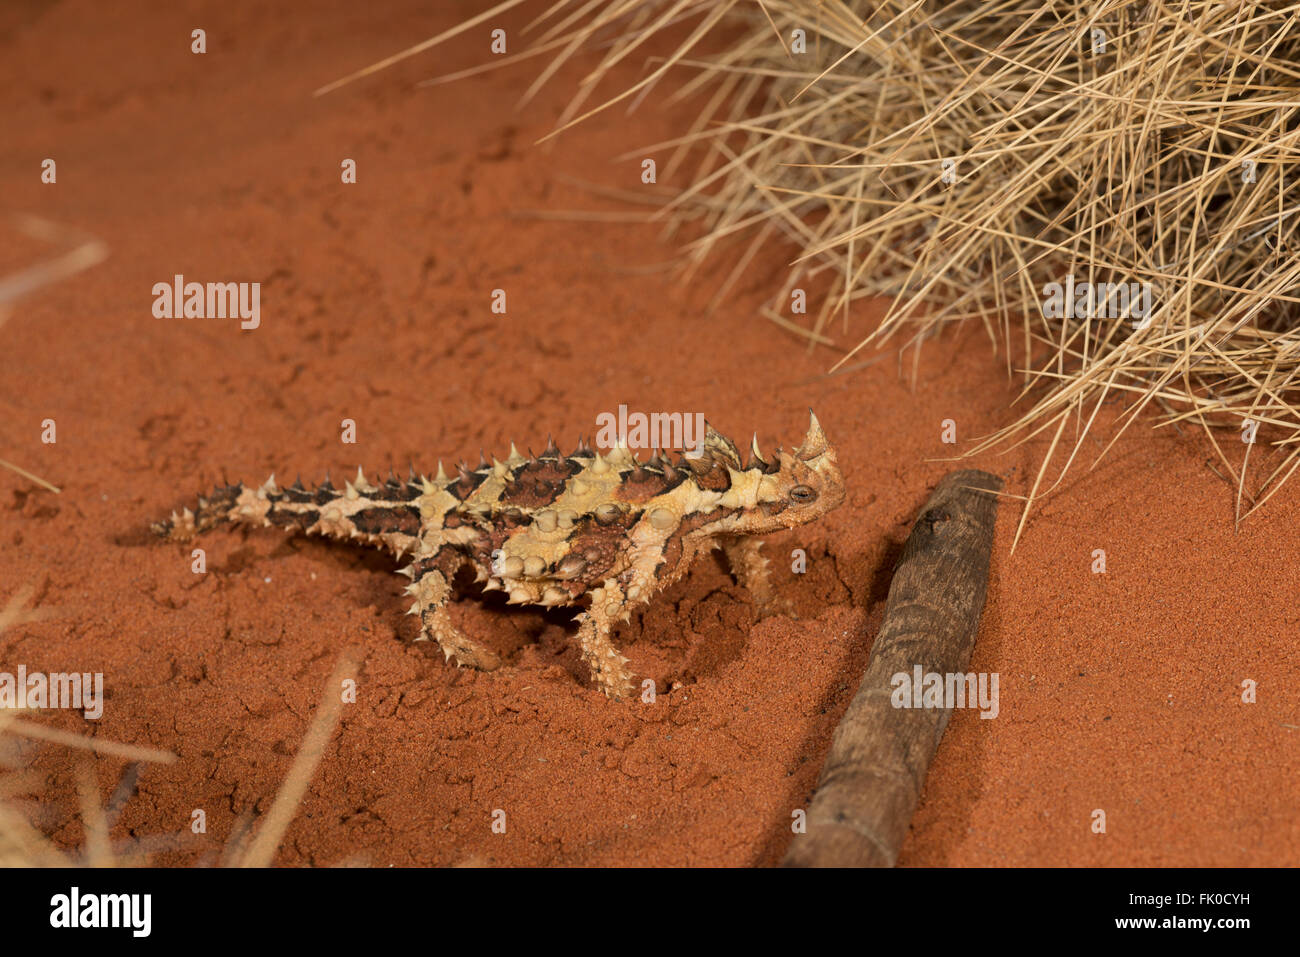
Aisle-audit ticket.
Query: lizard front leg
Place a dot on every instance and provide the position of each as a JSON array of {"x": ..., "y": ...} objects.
[
  {"x": 609, "y": 670},
  {"x": 430, "y": 584}
]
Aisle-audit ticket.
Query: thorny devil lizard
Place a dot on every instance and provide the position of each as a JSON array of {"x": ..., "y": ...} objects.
[{"x": 603, "y": 532}]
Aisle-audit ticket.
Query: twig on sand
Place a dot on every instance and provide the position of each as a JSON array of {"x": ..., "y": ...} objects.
[{"x": 880, "y": 754}]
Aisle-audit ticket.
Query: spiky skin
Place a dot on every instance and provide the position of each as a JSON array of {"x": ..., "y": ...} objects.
[{"x": 603, "y": 532}]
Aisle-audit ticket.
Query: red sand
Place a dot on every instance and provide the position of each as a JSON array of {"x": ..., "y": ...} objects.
[{"x": 1118, "y": 691}]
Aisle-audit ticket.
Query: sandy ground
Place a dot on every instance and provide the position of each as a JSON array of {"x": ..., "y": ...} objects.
[{"x": 1119, "y": 691}]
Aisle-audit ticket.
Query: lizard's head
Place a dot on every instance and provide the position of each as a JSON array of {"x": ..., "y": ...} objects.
[{"x": 797, "y": 488}]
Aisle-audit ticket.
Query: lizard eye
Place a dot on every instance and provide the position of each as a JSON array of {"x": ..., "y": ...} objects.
[{"x": 802, "y": 495}]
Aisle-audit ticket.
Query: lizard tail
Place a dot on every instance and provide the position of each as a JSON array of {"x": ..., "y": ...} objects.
[
  {"x": 213, "y": 510},
  {"x": 374, "y": 514}
]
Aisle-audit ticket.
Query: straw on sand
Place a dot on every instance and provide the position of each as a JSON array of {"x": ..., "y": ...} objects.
[
  {"x": 20, "y": 843},
  {"x": 23, "y": 845},
  {"x": 75, "y": 251},
  {"x": 961, "y": 156},
  {"x": 260, "y": 850}
]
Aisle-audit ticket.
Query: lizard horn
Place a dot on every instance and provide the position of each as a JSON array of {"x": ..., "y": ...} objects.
[{"x": 814, "y": 443}]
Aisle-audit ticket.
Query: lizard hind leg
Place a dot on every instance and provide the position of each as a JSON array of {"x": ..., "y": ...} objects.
[
  {"x": 750, "y": 567},
  {"x": 431, "y": 586}
]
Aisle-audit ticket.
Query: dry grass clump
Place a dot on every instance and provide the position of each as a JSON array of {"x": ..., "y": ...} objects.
[{"x": 960, "y": 156}]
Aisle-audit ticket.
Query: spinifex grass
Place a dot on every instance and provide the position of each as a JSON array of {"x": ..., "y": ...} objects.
[{"x": 1117, "y": 142}]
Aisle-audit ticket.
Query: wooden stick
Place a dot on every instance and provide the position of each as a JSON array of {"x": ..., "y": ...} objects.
[{"x": 879, "y": 755}]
